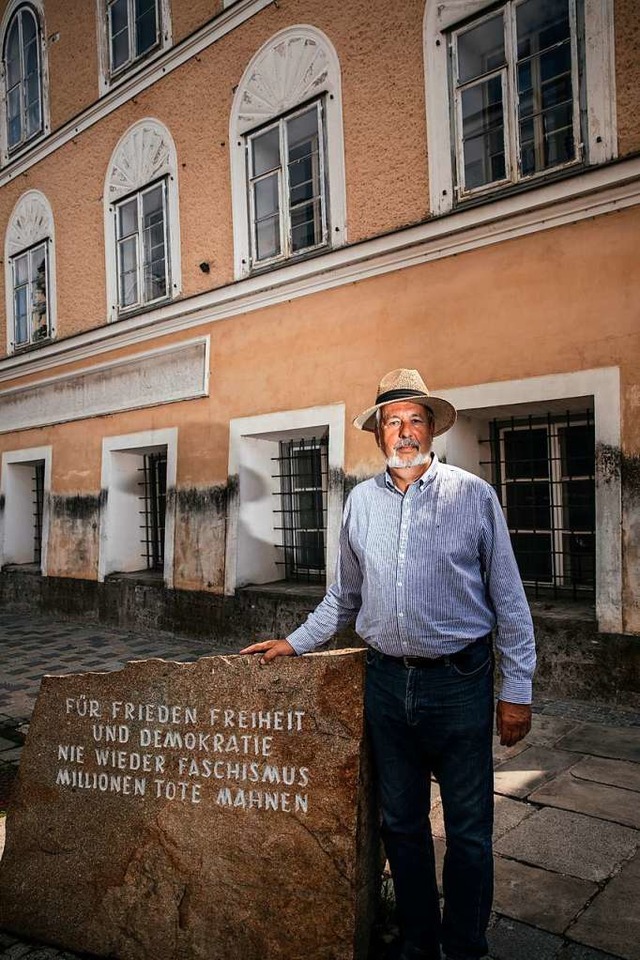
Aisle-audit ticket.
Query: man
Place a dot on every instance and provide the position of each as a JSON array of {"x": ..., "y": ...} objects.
[{"x": 426, "y": 567}]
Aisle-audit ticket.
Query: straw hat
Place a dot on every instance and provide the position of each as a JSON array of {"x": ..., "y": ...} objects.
[{"x": 407, "y": 385}]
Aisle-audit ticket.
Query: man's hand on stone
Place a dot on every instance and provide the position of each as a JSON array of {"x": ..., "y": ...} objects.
[
  {"x": 270, "y": 649},
  {"x": 513, "y": 722}
]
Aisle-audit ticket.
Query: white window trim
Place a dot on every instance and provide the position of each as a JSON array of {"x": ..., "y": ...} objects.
[
  {"x": 105, "y": 81},
  {"x": 144, "y": 154},
  {"x": 244, "y": 433},
  {"x": 266, "y": 91},
  {"x": 461, "y": 447},
  {"x": 9, "y": 458},
  {"x": 599, "y": 82},
  {"x": 139, "y": 441},
  {"x": 38, "y": 9},
  {"x": 30, "y": 223}
]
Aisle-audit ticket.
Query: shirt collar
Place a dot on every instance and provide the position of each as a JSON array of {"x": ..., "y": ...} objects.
[{"x": 427, "y": 477}]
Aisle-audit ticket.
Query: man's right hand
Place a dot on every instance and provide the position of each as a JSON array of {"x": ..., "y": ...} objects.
[{"x": 270, "y": 649}]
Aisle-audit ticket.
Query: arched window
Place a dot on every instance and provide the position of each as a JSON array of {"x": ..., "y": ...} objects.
[
  {"x": 30, "y": 272},
  {"x": 287, "y": 154},
  {"x": 142, "y": 225},
  {"x": 23, "y": 61}
]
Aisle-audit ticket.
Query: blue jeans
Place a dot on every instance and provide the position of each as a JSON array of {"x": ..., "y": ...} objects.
[{"x": 439, "y": 720}]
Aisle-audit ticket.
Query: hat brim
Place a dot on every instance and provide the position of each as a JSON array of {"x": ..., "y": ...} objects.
[{"x": 443, "y": 412}]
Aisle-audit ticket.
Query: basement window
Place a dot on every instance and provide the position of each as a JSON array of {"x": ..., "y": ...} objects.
[{"x": 301, "y": 508}]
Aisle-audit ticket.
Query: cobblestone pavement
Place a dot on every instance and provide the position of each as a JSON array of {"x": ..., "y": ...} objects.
[{"x": 567, "y": 837}]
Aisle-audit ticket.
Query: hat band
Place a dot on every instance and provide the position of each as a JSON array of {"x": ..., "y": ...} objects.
[{"x": 400, "y": 394}]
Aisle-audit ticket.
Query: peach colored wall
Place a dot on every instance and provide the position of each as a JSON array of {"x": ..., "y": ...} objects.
[
  {"x": 186, "y": 18},
  {"x": 627, "y": 34}
]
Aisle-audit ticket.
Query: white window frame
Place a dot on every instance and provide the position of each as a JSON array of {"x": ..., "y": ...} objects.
[
  {"x": 251, "y": 557},
  {"x": 284, "y": 205},
  {"x": 30, "y": 283},
  {"x": 109, "y": 78},
  {"x": 144, "y": 155},
  {"x": 119, "y": 546},
  {"x": 600, "y": 139},
  {"x": 30, "y": 224},
  {"x": 142, "y": 301},
  {"x": 462, "y": 447},
  {"x": 292, "y": 68},
  {"x": 12, "y": 519},
  {"x": 508, "y": 75},
  {"x": 36, "y": 8}
]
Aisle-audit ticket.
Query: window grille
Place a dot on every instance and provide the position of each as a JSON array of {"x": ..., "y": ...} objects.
[
  {"x": 134, "y": 30},
  {"x": 287, "y": 192},
  {"x": 23, "y": 78},
  {"x": 30, "y": 295},
  {"x": 154, "y": 505},
  {"x": 302, "y": 507},
  {"x": 38, "y": 510},
  {"x": 142, "y": 242},
  {"x": 543, "y": 470},
  {"x": 515, "y": 84}
]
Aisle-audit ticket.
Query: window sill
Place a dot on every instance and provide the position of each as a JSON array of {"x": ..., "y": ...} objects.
[
  {"x": 31, "y": 347},
  {"x": 280, "y": 589},
  {"x": 513, "y": 189},
  {"x": 26, "y": 569},
  {"x": 561, "y": 609},
  {"x": 154, "y": 578},
  {"x": 259, "y": 270}
]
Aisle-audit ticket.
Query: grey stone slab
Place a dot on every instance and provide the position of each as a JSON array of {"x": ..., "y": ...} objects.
[
  {"x": 617, "y": 773},
  {"x": 511, "y": 940},
  {"x": 508, "y": 814},
  {"x": 621, "y": 743},
  {"x": 595, "y": 799},
  {"x": 570, "y": 843},
  {"x": 521, "y": 775},
  {"x": 538, "y": 897},
  {"x": 500, "y": 753},
  {"x": 612, "y": 921},
  {"x": 576, "y": 951},
  {"x": 546, "y": 731}
]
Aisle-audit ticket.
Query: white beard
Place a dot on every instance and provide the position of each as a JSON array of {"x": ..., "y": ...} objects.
[{"x": 417, "y": 460}]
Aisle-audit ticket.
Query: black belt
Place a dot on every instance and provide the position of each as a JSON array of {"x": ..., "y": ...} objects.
[{"x": 426, "y": 662}]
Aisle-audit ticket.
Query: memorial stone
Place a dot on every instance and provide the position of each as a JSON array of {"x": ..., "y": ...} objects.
[{"x": 216, "y": 810}]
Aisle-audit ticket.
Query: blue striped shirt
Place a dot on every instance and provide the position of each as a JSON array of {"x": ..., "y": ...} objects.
[{"x": 425, "y": 572}]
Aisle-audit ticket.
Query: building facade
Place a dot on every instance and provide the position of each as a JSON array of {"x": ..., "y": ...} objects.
[{"x": 223, "y": 222}]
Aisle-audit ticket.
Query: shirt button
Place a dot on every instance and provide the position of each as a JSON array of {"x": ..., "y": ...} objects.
[
  {"x": 399, "y": 583},
  {"x": 401, "y": 614}
]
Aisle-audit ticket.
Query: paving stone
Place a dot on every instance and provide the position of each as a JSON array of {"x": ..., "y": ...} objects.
[
  {"x": 510, "y": 940},
  {"x": 531, "y": 768},
  {"x": 612, "y": 921},
  {"x": 545, "y": 730},
  {"x": 617, "y": 773},
  {"x": 570, "y": 843},
  {"x": 595, "y": 799},
  {"x": 619, "y": 743},
  {"x": 538, "y": 897},
  {"x": 16, "y": 952},
  {"x": 508, "y": 814},
  {"x": 500, "y": 753},
  {"x": 576, "y": 951}
]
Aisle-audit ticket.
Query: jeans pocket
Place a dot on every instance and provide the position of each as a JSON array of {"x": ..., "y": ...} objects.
[{"x": 468, "y": 666}]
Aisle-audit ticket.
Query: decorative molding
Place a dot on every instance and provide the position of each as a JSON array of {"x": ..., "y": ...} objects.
[
  {"x": 30, "y": 222},
  {"x": 143, "y": 154},
  {"x": 135, "y": 84},
  {"x": 590, "y": 194},
  {"x": 147, "y": 379},
  {"x": 297, "y": 63}
]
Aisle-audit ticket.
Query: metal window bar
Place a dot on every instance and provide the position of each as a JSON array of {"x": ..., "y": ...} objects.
[
  {"x": 301, "y": 507},
  {"x": 154, "y": 505},
  {"x": 543, "y": 470},
  {"x": 38, "y": 509}
]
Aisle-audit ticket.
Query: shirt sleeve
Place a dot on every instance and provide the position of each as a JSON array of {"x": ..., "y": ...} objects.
[
  {"x": 515, "y": 637},
  {"x": 342, "y": 601}
]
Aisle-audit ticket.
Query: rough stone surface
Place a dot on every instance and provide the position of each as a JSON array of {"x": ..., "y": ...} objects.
[
  {"x": 604, "y": 741},
  {"x": 545, "y": 731},
  {"x": 543, "y": 899},
  {"x": 233, "y": 820},
  {"x": 570, "y": 843},
  {"x": 520, "y": 775},
  {"x": 612, "y": 921},
  {"x": 510, "y": 940},
  {"x": 617, "y": 773},
  {"x": 595, "y": 799}
]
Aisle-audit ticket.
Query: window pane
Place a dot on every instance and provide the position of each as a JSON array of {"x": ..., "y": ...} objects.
[
  {"x": 268, "y": 238},
  {"x": 481, "y": 49},
  {"x": 483, "y": 133},
  {"x": 119, "y": 16},
  {"x": 21, "y": 269},
  {"x": 579, "y": 559},
  {"x": 533, "y": 553},
  {"x": 20, "y": 315},
  {"x": 528, "y": 506},
  {"x": 306, "y": 469},
  {"x": 577, "y": 446},
  {"x": 526, "y": 453},
  {"x": 155, "y": 279},
  {"x": 266, "y": 152},
  {"x": 119, "y": 34},
  {"x": 310, "y": 549},
  {"x": 14, "y": 132},
  {"x": 540, "y": 24},
  {"x": 39, "y": 318},
  {"x": 29, "y": 31},
  {"x": 128, "y": 272},
  {"x": 31, "y": 57},
  {"x": 146, "y": 25},
  {"x": 128, "y": 218},
  {"x": 266, "y": 198},
  {"x": 13, "y": 54},
  {"x": 306, "y": 226}
]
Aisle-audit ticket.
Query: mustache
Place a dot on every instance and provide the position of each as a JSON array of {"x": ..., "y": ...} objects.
[{"x": 406, "y": 442}]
